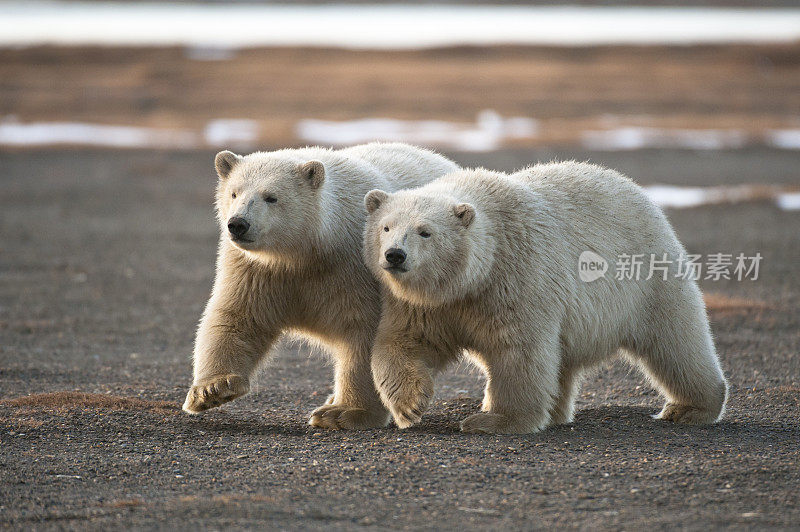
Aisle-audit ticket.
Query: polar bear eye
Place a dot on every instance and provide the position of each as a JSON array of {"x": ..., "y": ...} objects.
[
  {"x": 386, "y": 229},
  {"x": 233, "y": 195},
  {"x": 270, "y": 199},
  {"x": 424, "y": 234}
]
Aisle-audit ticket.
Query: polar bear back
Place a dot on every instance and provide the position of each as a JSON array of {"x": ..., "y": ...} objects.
[
  {"x": 579, "y": 206},
  {"x": 401, "y": 165},
  {"x": 539, "y": 220},
  {"x": 601, "y": 210},
  {"x": 543, "y": 217}
]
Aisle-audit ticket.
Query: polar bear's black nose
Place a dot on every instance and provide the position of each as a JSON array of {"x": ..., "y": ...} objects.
[
  {"x": 395, "y": 256},
  {"x": 238, "y": 226}
]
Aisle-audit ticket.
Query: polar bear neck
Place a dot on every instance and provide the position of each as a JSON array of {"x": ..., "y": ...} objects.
[{"x": 479, "y": 261}]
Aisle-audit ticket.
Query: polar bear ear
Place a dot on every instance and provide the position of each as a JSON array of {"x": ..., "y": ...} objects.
[
  {"x": 313, "y": 172},
  {"x": 465, "y": 213},
  {"x": 374, "y": 199},
  {"x": 224, "y": 162}
]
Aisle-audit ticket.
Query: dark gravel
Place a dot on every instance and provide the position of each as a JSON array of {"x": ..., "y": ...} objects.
[{"x": 106, "y": 259}]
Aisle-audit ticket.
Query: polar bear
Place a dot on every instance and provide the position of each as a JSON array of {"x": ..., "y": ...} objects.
[
  {"x": 488, "y": 264},
  {"x": 289, "y": 260}
]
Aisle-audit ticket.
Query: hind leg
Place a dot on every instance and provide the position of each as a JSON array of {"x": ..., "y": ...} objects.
[
  {"x": 677, "y": 354},
  {"x": 355, "y": 403},
  {"x": 563, "y": 410}
]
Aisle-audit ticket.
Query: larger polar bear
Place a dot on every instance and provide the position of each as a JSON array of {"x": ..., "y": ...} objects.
[
  {"x": 488, "y": 263},
  {"x": 290, "y": 260}
]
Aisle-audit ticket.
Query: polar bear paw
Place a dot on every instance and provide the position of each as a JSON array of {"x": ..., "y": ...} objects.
[
  {"x": 338, "y": 417},
  {"x": 489, "y": 423},
  {"x": 690, "y": 415},
  {"x": 214, "y": 392},
  {"x": 407, "y": 401},
  {"x": 407, "y": 413}
]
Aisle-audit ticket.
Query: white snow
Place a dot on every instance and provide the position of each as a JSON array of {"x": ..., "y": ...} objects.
[
  {"x": 382, "y": 26},
  {"x": 685, "y": 197},
  {"x": 13, "y": 133},
  {"x": 787, "y": 139},
  {"x": 677, "y": 197},
  {"x": 488, "y": 132},
  {"x": 217, "y": 133},
  {"x": 634, "y": 138},
  {"x": 231, "y": 133},
  {"x": 789, "y": 201}
]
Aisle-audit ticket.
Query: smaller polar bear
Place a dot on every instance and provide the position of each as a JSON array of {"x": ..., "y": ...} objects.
[
  {"x": 488, "y": 264},
  {"x": 292, "y": 225}
]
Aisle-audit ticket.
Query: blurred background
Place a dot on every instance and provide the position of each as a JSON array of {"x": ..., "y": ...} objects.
[{"x": 467, "y": 77}]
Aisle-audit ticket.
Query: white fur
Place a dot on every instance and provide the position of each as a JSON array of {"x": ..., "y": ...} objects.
[
  {"x": 298, "y": 268},
  {"x": 504, "y": 287}
]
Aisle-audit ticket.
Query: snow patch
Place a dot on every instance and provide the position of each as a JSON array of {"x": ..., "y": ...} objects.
[
  {"x": 685, "y": 197},
  {"x": 789, "y": 201},
  {"x": 391, "y": 26},
  {"x": 13, "y": 133},
  {"x": 231, "y": 133},
  {"x": 677, "y": 197},
  {"x": 787, "y": 139},
  {"x": 635, "y": 138},
  {"x": 488, "y": 132},
  {"x": 217, "y": 133}
]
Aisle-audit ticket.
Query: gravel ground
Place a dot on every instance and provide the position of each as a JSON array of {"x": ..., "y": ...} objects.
[{"x": 106, "y": 260}]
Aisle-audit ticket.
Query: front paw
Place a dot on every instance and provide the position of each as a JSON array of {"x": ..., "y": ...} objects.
[
  {"x": 213, "y": 392},
  {"x": 489, "y": 423},
  {"x": 407, "y": 401},
  {"x": 337, "y": 417},
  {"x": 687, "y": 414}
]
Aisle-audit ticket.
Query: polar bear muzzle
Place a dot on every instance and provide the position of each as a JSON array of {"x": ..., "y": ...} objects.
[
  {"x": 395, "y": 257},
  {"x": 238, "y": 227}
]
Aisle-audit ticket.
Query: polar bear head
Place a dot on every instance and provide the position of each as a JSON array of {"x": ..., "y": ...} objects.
[
  {"x": 268, "y": 204},
  {"x": 428, "y": 248}
]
